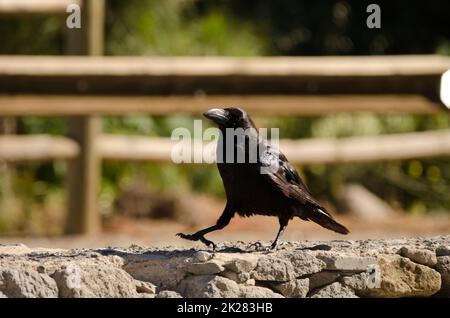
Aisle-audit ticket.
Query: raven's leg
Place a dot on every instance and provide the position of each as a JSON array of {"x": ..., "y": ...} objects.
[
  {"x": 283, "y": 224},
  {"x": 223, "y": 221}
]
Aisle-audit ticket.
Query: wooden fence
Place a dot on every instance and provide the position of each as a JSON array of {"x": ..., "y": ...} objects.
[
  {"x": 15, "y": 7},
  {"x": 84, "y": 88}
]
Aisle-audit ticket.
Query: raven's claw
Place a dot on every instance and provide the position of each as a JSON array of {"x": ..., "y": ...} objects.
[
  {"x": 263, "y": 249},
  {"x": 259, "y": 247},
  {"x": 255, "y": 245},
  {"x": 186, "y": 236},
  {"x": 273, "y": 246},
  {"x": 193, "y": 237}
]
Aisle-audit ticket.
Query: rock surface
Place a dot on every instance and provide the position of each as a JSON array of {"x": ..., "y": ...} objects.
[
  {"x": 421, "y": 256},
  {"x": 335, "y": 290},
  {"x": 168, "y": 294},
  {"x": 210, "y": 286},
  {"x": 26, "y": 282},
  {"x": 443, "y": 267},
  {"x": 351, "y": 263},
  {"x": 323, "y": 278},
  {"x": 395, "y": 276},
  {"x": 417, "y": 267},
  {"x": 297, "y": 288}
]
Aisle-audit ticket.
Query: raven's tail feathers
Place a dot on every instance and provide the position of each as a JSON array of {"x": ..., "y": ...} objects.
[{"x": 325, "y": 220}]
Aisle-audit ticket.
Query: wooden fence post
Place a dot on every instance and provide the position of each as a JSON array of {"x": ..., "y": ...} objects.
[
  {"x": 83, "y": 178},
  {"x": 85, "y": 171}
]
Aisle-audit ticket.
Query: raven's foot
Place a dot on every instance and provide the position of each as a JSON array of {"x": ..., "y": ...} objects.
[
  {"x": 194, "y": 237},
  {"x": 278, "y": 245},
  {"x": 258, "y": 247},
  {"x": 255, "y": 245}
]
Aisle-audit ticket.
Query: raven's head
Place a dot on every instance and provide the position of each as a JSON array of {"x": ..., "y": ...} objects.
[{"x": 230, "y": 118}]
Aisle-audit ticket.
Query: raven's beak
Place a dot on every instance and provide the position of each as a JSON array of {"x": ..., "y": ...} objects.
[{"x": 219, "y": 116}]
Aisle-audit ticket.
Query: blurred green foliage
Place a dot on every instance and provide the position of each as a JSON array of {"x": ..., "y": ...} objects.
[
  {"x": 175, "y": 27},
  {"x": 31, "y": 35},
  {"x": 238, "y": 28}
]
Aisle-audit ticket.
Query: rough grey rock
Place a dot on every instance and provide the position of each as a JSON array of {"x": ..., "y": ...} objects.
[
  {"x": 94, "y": 279},
  {"x": 421, "y": 256},
  {"x": 343, "y": 262},
  {"x": 22, "y": 249},
  {"x": 271, "y": 268},
  {"x": 239, "y": 278},
  {"x": 210, "y": 286},
  {"x": 241, "y": 265},
  {"x": 297, "y": 288},
  {"x": 26, "y": 282},
  {"x": 443, "y": 267},
  {"x": 163, "y": 271},
  {"x": 144, "y": 287},
  {"x": 335, "y": 290},
  {"x": 168, "y": 294},
  {"x": 322, "y": 278},
  {"x": 397, "y": 277},
  {"x": 304, "y": 262},
  {"x": 359, "y": 282},
  {"x": 208, "y": 268},
  {"x": 202, "y": 256},
  {"x": 331, "y": 269},
  {"x": 442, "y": 250}
]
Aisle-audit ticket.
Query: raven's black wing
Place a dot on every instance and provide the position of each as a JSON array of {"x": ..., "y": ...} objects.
[{"x": 282, "y": 175}]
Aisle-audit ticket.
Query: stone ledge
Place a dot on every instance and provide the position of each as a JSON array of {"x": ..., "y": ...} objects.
[{"x": 416, "y": 267}]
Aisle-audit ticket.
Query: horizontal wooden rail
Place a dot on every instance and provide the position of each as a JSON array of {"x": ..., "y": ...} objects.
[
  {"x": 114, "y": 147},
  {"x": 25, "y": 105},
  {"x": 329, "y": 66},
  {"x": 312, "y": 151},
  {"x": 36, "y": 148},
  {"x": 361, "y": 149},
  {"x": 10, "y": 7},
  {"x": 392, "y": 75}
]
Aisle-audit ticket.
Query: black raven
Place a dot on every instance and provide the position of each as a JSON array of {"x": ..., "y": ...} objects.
[{"x": 277, "y": 191}]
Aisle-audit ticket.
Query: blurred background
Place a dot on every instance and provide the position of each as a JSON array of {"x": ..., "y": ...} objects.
[{"x": 148, "y": 201}]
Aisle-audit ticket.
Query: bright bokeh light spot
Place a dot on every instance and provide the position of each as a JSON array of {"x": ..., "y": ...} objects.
[
  {"x": 445, "y": 89},
  {"x": 433, "y": 173},
  {"x": 415, "y": 169}
]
